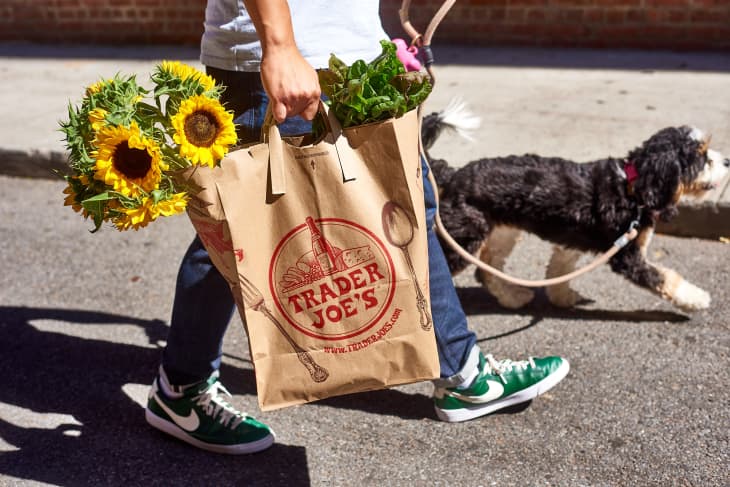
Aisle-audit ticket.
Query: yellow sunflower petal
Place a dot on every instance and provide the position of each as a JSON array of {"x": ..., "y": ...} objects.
[
  {"x": 97, "y": 118},
  {"x": 97, "y": 87},
  {"x": 70, "y": 200},
  {"x": 176, "y": 204},
  {"x": 136, "y": 218}
]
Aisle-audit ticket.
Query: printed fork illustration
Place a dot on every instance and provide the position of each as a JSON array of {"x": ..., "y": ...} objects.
[{"x": 254, "y": 300}]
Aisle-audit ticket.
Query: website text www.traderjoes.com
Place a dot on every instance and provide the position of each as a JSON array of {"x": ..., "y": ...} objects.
[{"x": 351, "y": 347}]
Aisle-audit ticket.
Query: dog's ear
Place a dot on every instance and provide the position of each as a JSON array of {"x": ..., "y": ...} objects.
[
  {"x": 705, "y": 144},
  {"x": 659, "y": 179}
]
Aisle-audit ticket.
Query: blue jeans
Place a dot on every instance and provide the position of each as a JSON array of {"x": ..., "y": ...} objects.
[{"x": 203, "y": 303}]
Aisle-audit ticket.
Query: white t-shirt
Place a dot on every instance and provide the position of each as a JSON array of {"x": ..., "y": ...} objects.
[{"x": 350, "y": 29}]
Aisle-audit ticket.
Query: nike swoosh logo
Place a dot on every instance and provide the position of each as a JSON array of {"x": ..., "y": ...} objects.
[
  {"x": 495, "y": 391},
  {"x": 189, "y": 423}
]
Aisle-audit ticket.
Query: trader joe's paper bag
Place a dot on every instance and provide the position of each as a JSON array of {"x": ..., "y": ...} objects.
[{"x": 324, "y": 247}]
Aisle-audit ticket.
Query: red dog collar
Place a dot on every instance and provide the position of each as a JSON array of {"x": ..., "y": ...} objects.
[{"x": 631, "y": 175}]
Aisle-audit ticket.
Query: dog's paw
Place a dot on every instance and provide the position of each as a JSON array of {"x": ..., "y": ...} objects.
[
  {"x": 563, "y": 296},
  {"x": 513, "y": 297},
  {"x": 690, "y": 298}
]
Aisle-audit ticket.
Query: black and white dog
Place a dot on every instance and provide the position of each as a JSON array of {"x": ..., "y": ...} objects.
[{"x": 579, "y": 207}]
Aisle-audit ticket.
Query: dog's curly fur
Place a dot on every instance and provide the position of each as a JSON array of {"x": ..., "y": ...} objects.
[{"x": 580, "y": 207}]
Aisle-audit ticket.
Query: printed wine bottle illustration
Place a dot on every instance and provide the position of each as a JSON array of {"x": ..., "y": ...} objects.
[{"x": 324, "y": 253}]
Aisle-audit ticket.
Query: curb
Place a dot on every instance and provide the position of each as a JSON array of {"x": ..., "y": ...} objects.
[
  {"x": 706, "y": 221},
  {"x": 708, "y": 218}
]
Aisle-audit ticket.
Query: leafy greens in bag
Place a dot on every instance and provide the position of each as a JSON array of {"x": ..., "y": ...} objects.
[{"x": 375, "y": 91}]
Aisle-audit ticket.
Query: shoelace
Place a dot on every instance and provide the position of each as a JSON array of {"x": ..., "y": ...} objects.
[
  {"x": 500, "y": 367},
  {"x": 213, "y": 403}
]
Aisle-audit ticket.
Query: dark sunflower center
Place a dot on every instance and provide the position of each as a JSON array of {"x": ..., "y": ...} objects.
[
  {"x": 201, "y": 128},
  {"x": 133, "y": 163}
]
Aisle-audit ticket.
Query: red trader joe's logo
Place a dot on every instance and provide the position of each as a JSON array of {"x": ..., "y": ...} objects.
[{"x": 327, "y": 289}]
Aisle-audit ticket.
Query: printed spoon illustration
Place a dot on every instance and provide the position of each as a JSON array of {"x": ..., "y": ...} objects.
[
  {"x": 398, "y": 230},
  {"x": 253, "y": 299}
]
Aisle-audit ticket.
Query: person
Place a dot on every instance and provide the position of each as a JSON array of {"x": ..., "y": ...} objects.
[{"x": 267, "y": 52}]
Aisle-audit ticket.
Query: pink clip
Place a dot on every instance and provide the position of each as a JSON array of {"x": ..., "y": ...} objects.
[{"x": 407, "y": 55}]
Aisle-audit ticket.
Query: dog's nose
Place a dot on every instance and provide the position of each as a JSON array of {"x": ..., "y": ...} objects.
[{"x": 727, "y": 162}]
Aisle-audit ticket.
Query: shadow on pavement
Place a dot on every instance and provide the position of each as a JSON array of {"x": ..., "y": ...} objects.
[
  {"x": 109, "y": 443},
  {"x": 476, "y": 301},
  {"x": 388, "y": 402}
]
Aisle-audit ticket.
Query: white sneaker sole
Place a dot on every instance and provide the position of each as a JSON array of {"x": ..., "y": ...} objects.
[
  {"x": 477, "y": 410},
  {"x": 171, "y": 429}
]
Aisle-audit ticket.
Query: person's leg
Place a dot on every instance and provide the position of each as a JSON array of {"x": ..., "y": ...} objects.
[
  {"x": 202, "y": 308},
  {"x": 458, "y": 353},
  {"x": 472, "y": 384}
]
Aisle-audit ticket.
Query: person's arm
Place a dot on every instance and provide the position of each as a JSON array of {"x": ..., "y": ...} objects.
[{"x": 289, "y": 80}]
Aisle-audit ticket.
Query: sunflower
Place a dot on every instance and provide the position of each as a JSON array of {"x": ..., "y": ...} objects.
[
  {"x": 204, "y": 130},
  {"x": 185, "y": 72},
  {"x": 127, "y": 160},
  {"x": 147, "y": 211}
]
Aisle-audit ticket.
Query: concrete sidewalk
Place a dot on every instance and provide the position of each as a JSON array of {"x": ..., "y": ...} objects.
[{"x": 578, "y": 104}]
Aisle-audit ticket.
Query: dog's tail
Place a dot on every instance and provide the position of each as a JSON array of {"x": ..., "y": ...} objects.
[{"x": 456, "y": 116}]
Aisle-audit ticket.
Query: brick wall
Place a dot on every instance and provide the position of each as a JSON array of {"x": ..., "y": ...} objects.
[
  {"x": 672, "y": 24},
  {"x": 677, "y": 24},
  {"x": 102, "y": 21}
]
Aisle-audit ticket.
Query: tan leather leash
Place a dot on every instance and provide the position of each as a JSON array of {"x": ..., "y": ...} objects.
[
  {"x": 424, "y": 42},
  {"x": 620, "y": 243}
]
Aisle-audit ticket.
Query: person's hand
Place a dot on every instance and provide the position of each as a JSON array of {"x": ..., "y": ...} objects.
[{"x": 291, "y": 83}]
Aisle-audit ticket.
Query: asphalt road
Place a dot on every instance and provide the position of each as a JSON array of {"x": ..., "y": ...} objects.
[{"x": 82, "y": 316}]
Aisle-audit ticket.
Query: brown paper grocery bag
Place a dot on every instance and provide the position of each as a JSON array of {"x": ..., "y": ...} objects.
[{"x": 324, "y": 246}]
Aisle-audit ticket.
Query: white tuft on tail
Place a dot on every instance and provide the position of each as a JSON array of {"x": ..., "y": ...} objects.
[{"x": 457, "y": 117}]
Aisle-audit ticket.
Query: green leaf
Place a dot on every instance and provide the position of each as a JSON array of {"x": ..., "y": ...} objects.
[
  {"x": 357, "y": 70},
  {"x": 330, "y": 82},
  {"x": 336, "y": 65},
  {"x": 157, "y": 195},
  {"x": 96, "y": 206}
]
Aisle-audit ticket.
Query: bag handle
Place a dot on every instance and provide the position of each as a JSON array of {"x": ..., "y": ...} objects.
[{"x": 272, "y": 136}]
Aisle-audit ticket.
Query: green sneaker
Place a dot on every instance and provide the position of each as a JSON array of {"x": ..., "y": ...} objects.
[
  {"x": 499, "y": 385},
  {"x": 202, "y": 417}
]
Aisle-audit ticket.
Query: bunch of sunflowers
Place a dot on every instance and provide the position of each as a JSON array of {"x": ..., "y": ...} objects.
[{"x": 127, "y": 145}]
